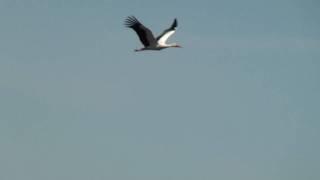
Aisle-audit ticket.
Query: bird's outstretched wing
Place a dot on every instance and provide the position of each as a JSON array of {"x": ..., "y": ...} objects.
[
  {"x": 163, "y": 37},
  {"x": 145, "y": 35}
]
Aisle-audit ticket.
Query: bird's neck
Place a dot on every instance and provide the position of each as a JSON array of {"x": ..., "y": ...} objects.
[{"x": 171, "y": 45}]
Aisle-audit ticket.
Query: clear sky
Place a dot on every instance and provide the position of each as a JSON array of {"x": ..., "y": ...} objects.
[{"x": 239, "y": 101}]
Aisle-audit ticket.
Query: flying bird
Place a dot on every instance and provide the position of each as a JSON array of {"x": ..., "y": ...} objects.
[{"x": 146, "y": 37}]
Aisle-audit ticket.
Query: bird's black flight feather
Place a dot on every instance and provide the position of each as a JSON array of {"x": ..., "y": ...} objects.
[{"x": 145, "y": 35}]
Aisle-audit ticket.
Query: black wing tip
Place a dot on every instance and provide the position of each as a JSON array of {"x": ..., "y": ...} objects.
[
  {"x": 131, "y": 21},
  {"x": 174, "y": 24}
]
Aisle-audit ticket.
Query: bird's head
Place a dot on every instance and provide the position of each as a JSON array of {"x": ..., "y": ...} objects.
[{"x": 176, "y": 45}]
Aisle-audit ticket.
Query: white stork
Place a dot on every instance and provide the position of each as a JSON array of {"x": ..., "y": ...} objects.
[{"x": 146, "y": 37}]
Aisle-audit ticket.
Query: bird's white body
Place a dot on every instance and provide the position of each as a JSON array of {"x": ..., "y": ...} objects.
[
  {"x": 157, "y": 47},
  {"x": 147, "y": 38}
]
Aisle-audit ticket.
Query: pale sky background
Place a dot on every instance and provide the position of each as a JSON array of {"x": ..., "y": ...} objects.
[{"x": 239, "y": 101}]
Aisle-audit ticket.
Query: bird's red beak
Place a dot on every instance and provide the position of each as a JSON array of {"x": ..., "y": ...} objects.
[{"x": 178, "y": 46}]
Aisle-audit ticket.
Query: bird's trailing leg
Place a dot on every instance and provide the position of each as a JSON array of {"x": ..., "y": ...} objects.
[{"x": 137, "y": 50}]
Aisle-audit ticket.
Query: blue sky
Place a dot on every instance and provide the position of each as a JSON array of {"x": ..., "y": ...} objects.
[{"x": 239, "y": 101}]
